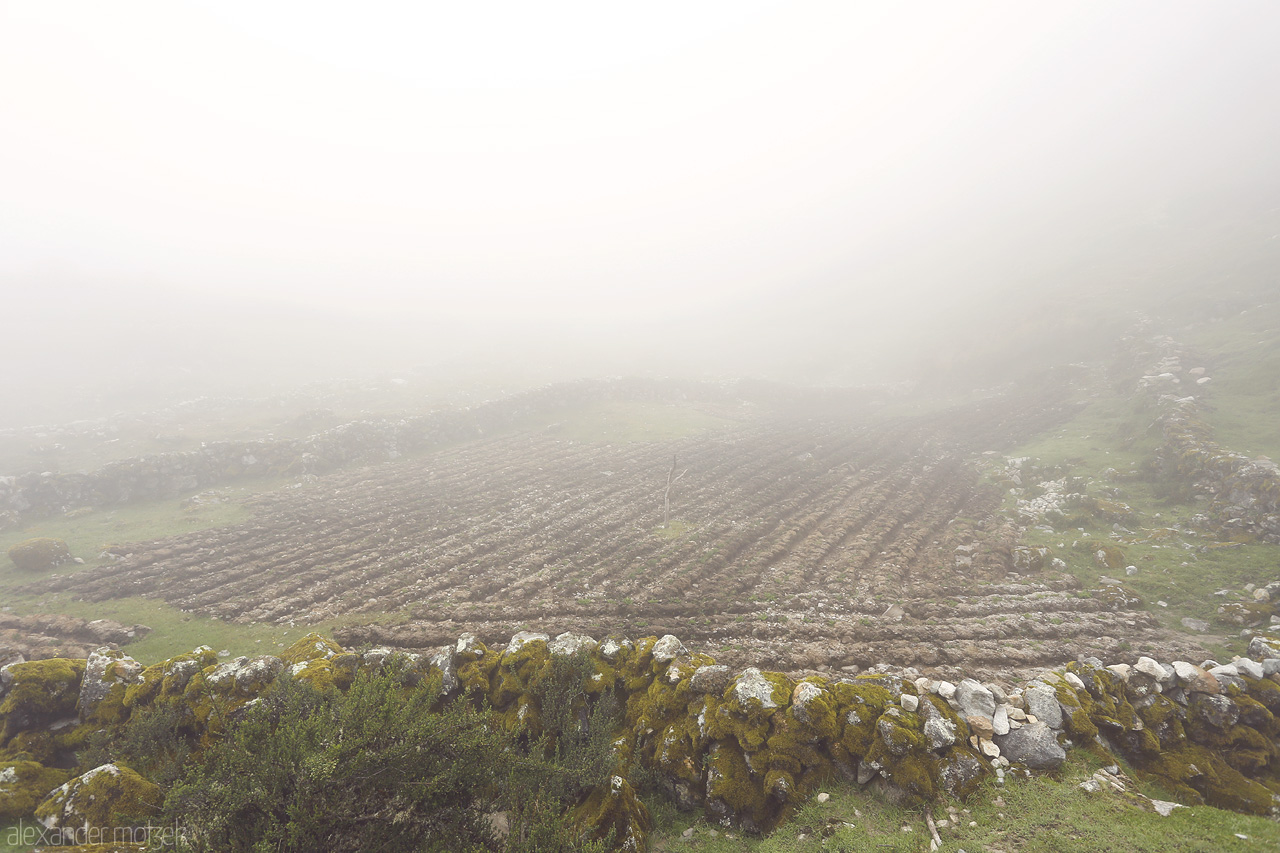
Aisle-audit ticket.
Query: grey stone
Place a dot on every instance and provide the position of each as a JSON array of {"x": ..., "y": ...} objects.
[
  {"x": 1215, "y": 709},
  {"x": 751, "y": 685},
  {"x": 1248, "y": 667},
  {"x": 1042, "y": 703},
  {"x": 1033, "y": 745},
  {"x": 96, "y": 684},
  {"x": 710, "y": 679},
  {"x": 974, "y": 699},
  {"x": 1195, "y": 679},
  {"x": 1150, "y": 667},
  {"x": 522, "y": 638},
  {"x": 668, "y": 649},
  {"x": 1000, "y": 720},
  {"x": 1261, "y": 648},
  {"x": 569, "y": 644},
  {"x": 939, "y": 732}
]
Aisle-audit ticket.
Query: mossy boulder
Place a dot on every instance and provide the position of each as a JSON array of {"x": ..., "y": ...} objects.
[
  {"x": 107, "y": 797},
  {"x": 216, "y": 692},
  {"x": 168, "y": 679},
  {"x": 40, "y": 692},
  {"x": 23, "y": 784},
  {"x": 108, "y": 675},
  {"x": 38, "y": 555},
  {"x": 734, "y": 793},
  {"x": 860, "y": 704},
  {"x": 309, "y": 648},
  {"x": 615, "y": 811}
]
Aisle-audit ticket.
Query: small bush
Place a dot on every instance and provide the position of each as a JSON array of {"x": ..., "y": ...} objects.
[{"x": 38, "y": 555}]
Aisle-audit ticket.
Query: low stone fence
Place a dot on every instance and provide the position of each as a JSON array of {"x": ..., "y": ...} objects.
[{"x": 745, "y": 748}]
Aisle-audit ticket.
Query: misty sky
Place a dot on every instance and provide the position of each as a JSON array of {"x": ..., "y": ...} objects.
[{"x": 478, "y": 168}]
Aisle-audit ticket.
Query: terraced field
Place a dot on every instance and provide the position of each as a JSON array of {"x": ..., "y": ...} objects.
[{"x": 801, "y": 543}]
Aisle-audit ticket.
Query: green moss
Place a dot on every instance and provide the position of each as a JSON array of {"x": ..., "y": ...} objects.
[
  {"x": 730, "y": 781},
  {"x": 32, "y": 745},
  {"x": 475, "y": 676},
  {"x": 916, "y": 774},
  {"x": 858, "y": 706},
  {"x": 105, "y": 797},
  {"x": 1077, "y": 711},
  {"x": 817, "y": 717},
  {"x": 42, "y": 691},
  {"x": 318, "y": 672},
  {"x": 24, "y": 784},
  {"x": 309, "y": 648},
  {"x": 1265, "y": 691},
  {"x": 615, "y": 811}
]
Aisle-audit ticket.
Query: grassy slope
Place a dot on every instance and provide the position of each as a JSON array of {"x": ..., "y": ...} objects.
[
  {"x": 1030, "y": 816},
  {"x": 1242, "y": 402},
  {"x": 1116, "y": 431}
]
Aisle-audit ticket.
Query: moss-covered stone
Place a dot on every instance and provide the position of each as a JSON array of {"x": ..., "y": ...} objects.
[
  {"x": 615, "y": 811},
  {"x": 732, "y": 790},
  {"x": 41, "y": 691},
  {"x": 31, "y": 745},
  {"x": 106, "y": 797},
  {"x": 475, "y": 675},
  {"x": 24, "y": 784},
  {"x": 309, "y": 648},
  {"x": 108, "y": 675},
  {"x": 858, "y": 706}
]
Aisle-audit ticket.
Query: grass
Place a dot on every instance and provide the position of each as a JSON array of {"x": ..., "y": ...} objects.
[
  {"x": 173, "y": 631},
  {"x": 1242, "y": 356},
  {"x": 1184, "y": 570},
  {"x": 1037, "y": 815}
]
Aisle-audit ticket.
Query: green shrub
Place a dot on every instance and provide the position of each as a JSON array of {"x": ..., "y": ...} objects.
[
  {"x": 38, "y": 555},
  {"x": 384, "y": 766}
]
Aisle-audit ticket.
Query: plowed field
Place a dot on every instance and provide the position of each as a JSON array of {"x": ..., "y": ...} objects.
[{"x": 803, "y": 543}]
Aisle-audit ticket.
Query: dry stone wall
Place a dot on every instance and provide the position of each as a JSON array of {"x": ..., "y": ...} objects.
[
  {"x": 744, "y": 748},
  {"x": 1242, "y": 494}
]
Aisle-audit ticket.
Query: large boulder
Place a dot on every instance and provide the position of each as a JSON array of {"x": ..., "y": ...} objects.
[
  {"x": 107, "y": 797},
  {"x": 38, "y": 555},
  {"x": 37, "y": 693},
  {"x": 1034, "y": 745},
  {"x": 107, "y": 676},
  {"x": 23, "y": 784}
]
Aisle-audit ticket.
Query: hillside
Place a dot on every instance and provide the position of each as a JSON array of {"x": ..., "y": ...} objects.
[{"x": 1112, "y": 510}]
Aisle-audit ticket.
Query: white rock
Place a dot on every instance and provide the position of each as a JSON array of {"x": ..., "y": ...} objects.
[
  {"x": 1248, "y": 667},
  {"x": 1000, "y": 720},
  {"x": 668, "y": 648},
  {"x": 1148, "y": 666},
  {"x": 568, "y": 644},
  {"x": 752, "y": 685}
]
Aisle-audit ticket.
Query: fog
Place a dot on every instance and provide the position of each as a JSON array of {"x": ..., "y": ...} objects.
[{"x": 228, "y": 197}]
